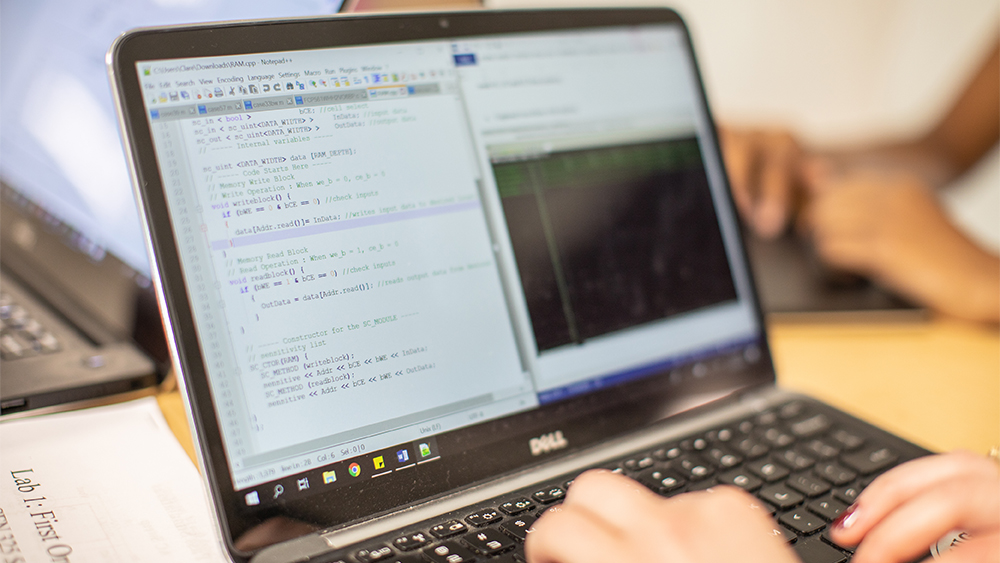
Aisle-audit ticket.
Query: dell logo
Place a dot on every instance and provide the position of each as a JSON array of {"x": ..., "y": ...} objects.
[{"x": 548, "y": 443}]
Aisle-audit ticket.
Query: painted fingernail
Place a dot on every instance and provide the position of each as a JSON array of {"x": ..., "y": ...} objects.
[{"x": 847, "y": 518}]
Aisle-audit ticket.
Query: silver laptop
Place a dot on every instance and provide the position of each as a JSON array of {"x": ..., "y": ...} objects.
[
  {"x": 78, "y": 319},
  {"x": 420, "y": 271}
]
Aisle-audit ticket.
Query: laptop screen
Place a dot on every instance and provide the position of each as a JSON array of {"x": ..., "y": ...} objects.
[
  {"x": 59, "y": 140},
  {"x": 386, "y": 247}
]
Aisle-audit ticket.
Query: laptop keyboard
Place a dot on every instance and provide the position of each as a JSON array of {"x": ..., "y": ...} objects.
[
  {"x": 801, "y": 467},
  {"x": 21, "y": 335}
]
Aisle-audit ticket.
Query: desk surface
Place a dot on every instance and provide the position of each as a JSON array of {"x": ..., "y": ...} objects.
[{"x": 935, "y": 383}]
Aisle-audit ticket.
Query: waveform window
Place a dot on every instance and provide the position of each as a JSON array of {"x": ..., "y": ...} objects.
[{"x": 611, "y": 238}]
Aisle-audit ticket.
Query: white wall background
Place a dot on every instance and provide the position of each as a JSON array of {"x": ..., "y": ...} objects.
[{"x": 834, "y": 71}]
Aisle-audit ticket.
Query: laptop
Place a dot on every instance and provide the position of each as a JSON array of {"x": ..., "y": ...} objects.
[
  {"x": 421, "y": 270},
  {"x": 793, "y": 284},
  {"x": 79, "y": 323}
]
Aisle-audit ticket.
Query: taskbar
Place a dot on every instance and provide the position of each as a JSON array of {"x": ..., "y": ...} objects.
[{"x": 404, "y": 457}]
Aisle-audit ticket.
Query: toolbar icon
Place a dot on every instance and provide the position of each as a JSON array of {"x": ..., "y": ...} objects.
[
  {"x": 379, "y": 462},
  {"x": 329, "y": 477},
  {"x": 279, "y": 490},
  {"x": 354, "y": 469},
  {"x": 303, "y": 483},
  {"x": 425, "y": 450},
  {"x": 402, "y": 456},
  {"x": 252, "y": 498}
]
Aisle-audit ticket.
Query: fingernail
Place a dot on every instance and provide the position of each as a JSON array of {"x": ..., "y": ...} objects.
[{"x": 847, "y": 518}]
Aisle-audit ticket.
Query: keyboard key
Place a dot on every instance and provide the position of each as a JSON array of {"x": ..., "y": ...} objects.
[
  {"x": 765, "y": 506},
  {"x": 751, "y": 447},
  {"x": 781, "y": 532},
  {"x": 488, "y": 541},
  {"x": 370, "y": 555},
  {"x": 825, "y": 536},
  {"x": 780, "y": 496},
  {"x": 827, "y": 508},
  {"x": 483, "y": 517},
  {"x": 777, "y": 438},
  {"x": 791, "y": 410},
  {"x": 794, "y": 459},
  {"x": 660, "y": 481},
  {"x": 808, "y": 485},
  {"x": 768, "y": 418},
  {"x": 10, "y": 347},
  {"x": 810, "y": 426},
  {"x": 412, "y": 558},
  {"x": 692, "y": 467},
  {"x": 723, "y": 457},
  {"x": 721, "y": 435},
  {"x": 448, "y": 529},
  {"x": 668, "y": 453},
  {"x": 516, "y": 506},
  {"x": 449, "y": 552},
  {"x": 551, "y": 508},
  {"x": 411, "y": 541},
  {"x": 519, "y": 527},
  {"x": 768, "y": 470},
  {"x": 701, "y": 485},
  {"x": 813, "y": 550},
  {"x": 549, "y": 495},
  {"x": 17, "y": 317},
  {"x": 847, "y": 495},
  {"x": 870, "y": 459},
  {"x": 835, "y": 473},
  {"x": 694, "y": 445},
  {"x": 48, "y": 343},
  {"x": 846, "y": 440},
  {"x": 820, "y": 449},
  {"x": 803, "y": 522},
  {"x": 742, "y": 479},
  {"x": 638, "y": 463},
  {"x": 33, "y": 328}
]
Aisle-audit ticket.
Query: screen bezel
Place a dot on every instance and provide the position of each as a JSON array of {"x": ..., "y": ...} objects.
[{"x": 587, "y": 419}]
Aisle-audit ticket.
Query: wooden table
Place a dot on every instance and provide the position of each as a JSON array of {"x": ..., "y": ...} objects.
[{"x": 936, "y": 383}]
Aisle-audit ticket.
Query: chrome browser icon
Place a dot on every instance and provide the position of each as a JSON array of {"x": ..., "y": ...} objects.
[{"x": 354, "y": 469}]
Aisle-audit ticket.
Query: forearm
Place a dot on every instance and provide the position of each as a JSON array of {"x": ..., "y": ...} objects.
[
  {"x": 969, "y": 129},
  {"x": 922, "y": 157}
]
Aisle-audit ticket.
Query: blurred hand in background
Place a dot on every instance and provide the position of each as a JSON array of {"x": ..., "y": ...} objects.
[{"x": 873, "y": 210}]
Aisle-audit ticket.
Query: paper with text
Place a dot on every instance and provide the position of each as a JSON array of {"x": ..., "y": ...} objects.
[{"x": 108, "y": 484}]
